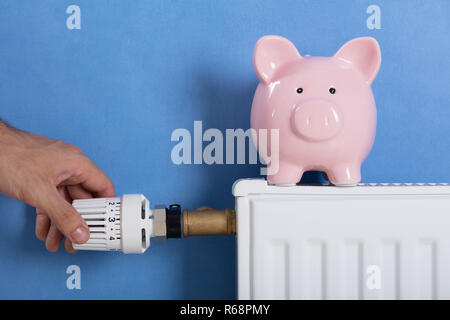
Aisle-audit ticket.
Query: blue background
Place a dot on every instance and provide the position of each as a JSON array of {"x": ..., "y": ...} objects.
[{"x": 137, "y": 70}]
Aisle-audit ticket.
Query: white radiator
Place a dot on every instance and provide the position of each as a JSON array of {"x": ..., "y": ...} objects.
[{"x": 373, "y": 241}]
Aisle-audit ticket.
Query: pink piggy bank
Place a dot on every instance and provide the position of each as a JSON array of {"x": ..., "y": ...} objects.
[{"x": 323, "y": 108}]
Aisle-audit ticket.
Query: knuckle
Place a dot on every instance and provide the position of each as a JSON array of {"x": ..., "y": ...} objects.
[
  {"x": 75, "y": 149},
  {"x": 69, "y": 147},
  {"x": 109, "y": 183},
  {"x": 60, "y": 144}
]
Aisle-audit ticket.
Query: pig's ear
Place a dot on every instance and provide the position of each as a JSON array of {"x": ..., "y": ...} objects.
[
  {"x": 364, "y": 53},
  {"x": 271, "y": 52}
]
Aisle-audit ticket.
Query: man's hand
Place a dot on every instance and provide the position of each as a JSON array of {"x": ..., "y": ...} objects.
[{"x": 48, "y": 174}]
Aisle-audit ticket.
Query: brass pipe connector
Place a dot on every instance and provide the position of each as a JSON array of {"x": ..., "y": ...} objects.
[{"x": 207, "y": 221}]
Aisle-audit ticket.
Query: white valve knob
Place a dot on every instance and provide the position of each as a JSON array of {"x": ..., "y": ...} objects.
[{"x": 123, "y": 223}]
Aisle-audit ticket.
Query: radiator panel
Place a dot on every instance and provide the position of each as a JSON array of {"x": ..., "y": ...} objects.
[{"x": 329, "y": 243}]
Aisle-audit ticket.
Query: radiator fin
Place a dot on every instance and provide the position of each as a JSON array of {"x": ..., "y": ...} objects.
[
  {"x": 279, "y": 270},
  {"x": 353, "y": 269},
  {"x": 321, "y": 269},
  {"x": 317, "y": 264},
  {"x": 390, "y": 270},
  {"x": 427, "y": 269}
]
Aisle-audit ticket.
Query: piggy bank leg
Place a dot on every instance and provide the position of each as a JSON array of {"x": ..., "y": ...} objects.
[
  {"x": 345, "y": 175},
  {"x": 287, "y": 174}
]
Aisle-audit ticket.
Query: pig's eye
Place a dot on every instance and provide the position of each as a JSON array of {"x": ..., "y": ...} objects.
[
  {"x": 332, "y": 90},
  {"x": 299, "y": 90}
]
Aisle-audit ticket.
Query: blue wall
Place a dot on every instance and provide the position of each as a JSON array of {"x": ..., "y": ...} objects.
[{"x": 137, "y": 70}]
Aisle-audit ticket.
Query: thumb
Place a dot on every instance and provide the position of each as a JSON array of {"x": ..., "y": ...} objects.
[{"x": 66, "y": 218}]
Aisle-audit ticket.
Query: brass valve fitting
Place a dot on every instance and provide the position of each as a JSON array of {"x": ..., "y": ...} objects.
[{"x": 207, "y": 221}]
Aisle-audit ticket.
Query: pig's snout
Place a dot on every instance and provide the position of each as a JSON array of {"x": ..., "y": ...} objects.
[{"x": 317, "y": 120}]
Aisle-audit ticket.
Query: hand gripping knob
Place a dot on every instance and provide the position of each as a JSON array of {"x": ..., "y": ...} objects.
[{"x": 123, "y": 223}]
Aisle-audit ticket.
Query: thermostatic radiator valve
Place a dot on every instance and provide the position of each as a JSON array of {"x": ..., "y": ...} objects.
[
  {"x": 116, "y": 223},
  {"x": 127, "y": 223}
]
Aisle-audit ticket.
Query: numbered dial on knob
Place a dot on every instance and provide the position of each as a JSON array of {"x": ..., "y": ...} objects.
[
  {"x": 103, "y": 218},
  {"x": 116, "y": 223}
]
